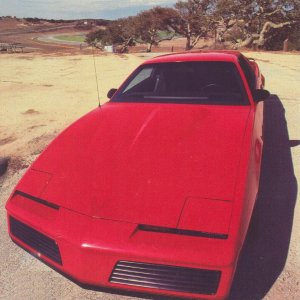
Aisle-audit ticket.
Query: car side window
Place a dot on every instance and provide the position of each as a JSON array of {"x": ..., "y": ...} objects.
[
  {"x": 142, "y": 76},
  {"x": 250, "y": 76}
]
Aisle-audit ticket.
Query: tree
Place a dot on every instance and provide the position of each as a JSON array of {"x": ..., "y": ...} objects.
[
  {"x": 152, "y": 26},
  {"x": 257, "y": 23},
  {"x": 193, "y": 20},
  {"x": 95, "y": 37},
  {"x": 294, "y": 38},
  {"x": 243, "y": 23},
  {"x": 121, "y": 32}
]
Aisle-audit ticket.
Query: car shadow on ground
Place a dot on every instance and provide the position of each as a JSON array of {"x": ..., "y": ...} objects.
[{"x": 266, "y": 247}]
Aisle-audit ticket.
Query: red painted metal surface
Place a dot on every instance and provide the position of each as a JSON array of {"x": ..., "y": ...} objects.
[{"x": 188, "y": 167}]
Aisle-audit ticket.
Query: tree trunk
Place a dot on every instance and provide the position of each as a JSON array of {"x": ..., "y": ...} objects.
[
  {"x": 245, "y": 43},
  {"x": 257, "y": 40},
  {"x": 195, "y": 41},
  {"x": 149, "y": 47},
  {"x": 188, "y": 38},
  {"x": 125, "y": 46},
  {"x": 267, "y": 26},
  {"x": 188, "y": 43}
]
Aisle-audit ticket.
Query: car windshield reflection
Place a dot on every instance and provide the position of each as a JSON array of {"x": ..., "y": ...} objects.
[{"x": 207, "y": 82}]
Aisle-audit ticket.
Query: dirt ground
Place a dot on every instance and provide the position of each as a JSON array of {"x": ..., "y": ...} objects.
[{"x": 42, "y": 94}]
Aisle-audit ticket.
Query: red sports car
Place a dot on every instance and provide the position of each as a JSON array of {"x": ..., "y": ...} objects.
[{"x": 153, "y": 191}]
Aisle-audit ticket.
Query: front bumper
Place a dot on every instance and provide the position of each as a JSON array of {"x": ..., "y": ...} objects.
[{"x": 91, "y": 251}]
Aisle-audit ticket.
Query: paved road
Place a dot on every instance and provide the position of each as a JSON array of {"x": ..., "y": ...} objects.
[
  {"x": 52, "y": 39},
  {"x": 37, "y": 29}
]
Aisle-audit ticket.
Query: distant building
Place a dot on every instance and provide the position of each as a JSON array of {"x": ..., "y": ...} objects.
[
  {"x": 109, "y": 49},
  {"x": 86, "y": 24}
]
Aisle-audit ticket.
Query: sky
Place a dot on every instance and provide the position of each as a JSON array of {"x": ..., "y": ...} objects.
[{"x": 77, "y": 9}]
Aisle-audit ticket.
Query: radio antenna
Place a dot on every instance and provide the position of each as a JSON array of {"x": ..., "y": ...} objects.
[{"x": 95, "y": 68}]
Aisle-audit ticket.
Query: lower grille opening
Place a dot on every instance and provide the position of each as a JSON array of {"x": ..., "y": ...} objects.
[
  {"x": 165, "y": 277},
  {"x": 35, "y": 240}
]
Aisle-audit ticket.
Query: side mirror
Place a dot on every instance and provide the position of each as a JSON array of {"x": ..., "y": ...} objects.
[
  {"x": 110, "y": 93},
  {"x": 260, "y": 95}
]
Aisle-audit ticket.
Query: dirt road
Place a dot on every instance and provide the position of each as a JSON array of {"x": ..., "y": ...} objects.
[{"x": 41, "y": 95}]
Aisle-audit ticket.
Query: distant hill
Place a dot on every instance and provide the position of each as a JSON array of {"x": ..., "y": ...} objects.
[
  {"x": 97, "y": 22},
  {"x": 34, "y": 20}
]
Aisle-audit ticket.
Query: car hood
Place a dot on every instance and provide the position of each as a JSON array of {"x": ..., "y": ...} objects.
[{"x": 140, "y": 162}]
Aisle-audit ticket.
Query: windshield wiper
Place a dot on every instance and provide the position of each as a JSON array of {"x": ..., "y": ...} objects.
[{"x": 176, "y": 97}]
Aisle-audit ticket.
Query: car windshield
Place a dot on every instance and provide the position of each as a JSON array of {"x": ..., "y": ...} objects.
[{"x": 208, "y": 82}]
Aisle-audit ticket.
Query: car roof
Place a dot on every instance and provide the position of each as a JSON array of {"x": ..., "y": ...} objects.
[{"x": 215, "y": 55}]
